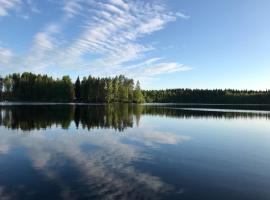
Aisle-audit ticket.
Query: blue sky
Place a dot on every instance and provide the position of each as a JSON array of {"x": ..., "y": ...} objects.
[{"x": 162, "y": 43}]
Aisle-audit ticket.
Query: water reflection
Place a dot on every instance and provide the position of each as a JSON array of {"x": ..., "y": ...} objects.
[
  {"x": 187, "y": 112},
  {"x": 116, "y": 116},
  {"x": 83, "y": 166},
  {"x": 30, "y": 117},
  {"x": 46, "y": 152}
]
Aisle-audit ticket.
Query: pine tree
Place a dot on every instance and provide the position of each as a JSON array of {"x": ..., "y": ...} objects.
[{"x": 78, "y": 89}]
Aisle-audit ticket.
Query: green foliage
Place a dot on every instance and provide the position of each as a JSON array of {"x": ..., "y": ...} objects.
[
  {"x": 138, "y": 96},
  {"x": 1, "y": 87},
  {"x": 108, "y": 90},
  {"x": 41, "y": 88},
  {"x": 78, "y": 89},
  {"x": 207, "y": 96}
]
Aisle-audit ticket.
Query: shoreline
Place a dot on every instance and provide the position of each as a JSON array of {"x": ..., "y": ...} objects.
[{"x": 89, "y": 103}]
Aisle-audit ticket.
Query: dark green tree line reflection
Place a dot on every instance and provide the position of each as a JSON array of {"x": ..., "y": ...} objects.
[
  {"x": 35, "y": 117},
  {"x": 112, "y": 116},
  {"x": 115, "y": 116},
  {"x": 185, "y": 113}
]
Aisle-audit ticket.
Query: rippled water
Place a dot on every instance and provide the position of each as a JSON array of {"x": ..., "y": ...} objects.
[{"x": 116, "y": 151}]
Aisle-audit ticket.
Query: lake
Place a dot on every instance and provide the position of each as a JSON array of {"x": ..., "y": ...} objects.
[{"x": 124, "y": 151}]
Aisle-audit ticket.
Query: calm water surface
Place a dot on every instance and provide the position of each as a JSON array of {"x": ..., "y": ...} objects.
[{"x": 170, "y": 151}]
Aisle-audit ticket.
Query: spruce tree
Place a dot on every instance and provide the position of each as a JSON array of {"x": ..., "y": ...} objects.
[{"x": 78, "y": 89}]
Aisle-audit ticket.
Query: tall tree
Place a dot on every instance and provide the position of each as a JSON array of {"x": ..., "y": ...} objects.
[
  {"x": 78, "y": 89},
  {"x": 1, "y": 87},
  {"x": 8, "y": 84},
  {"x": 123, "y": 89},
  {"x": 138, "y": 96},
  {"x": 115, "y": 89},
  {"x": 67, "y": 89},
  {"x": 109, "y": 90}
]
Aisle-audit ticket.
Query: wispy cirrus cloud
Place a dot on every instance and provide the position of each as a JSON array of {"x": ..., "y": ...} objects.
[
  {"x": 110, "y": 32},
  {"x": 8, "y": 5},
  {"x": 5, "y": 55},
  {"x": 22, "y": 8},
  {"x": 113, "y": 32},
  {"x": 161, "y": 68},
  {"x": 72, "y": 8}
]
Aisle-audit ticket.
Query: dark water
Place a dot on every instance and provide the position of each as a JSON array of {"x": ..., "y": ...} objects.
[{"x": 189, "y": 152}]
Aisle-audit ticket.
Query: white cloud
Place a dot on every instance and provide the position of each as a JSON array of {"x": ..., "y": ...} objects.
[
  {"x": 72, "y": 8},
  {"x": 110, "y": 31},
  {"x": 7, "y": 5},
  {"x": 162, "y": 68},
  {"x": 29, "y": 8},
  {"x": 43, "y": 41},
  {"x": 182, "y": 15},
  {"x": 121, "y": 4},
  {"x": 113, "y": 33},
  {"x": 21, "y": 8},
  {"x": 6, "y": 59},
  {"x": 152, "y": 25},
  {"x": 43, "y": 50},
  {"x": 5, "y": 55}
]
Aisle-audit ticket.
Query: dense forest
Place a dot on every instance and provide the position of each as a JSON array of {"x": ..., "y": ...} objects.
[
  {"x": 207, "y": 96},
  {"x": 42, "y": 88},
  {"x": 30, "y": 87},
  {"x": 117, "y": 89}
]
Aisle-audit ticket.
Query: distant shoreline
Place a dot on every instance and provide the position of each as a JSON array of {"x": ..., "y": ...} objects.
[{"x": 157, "y": 103}]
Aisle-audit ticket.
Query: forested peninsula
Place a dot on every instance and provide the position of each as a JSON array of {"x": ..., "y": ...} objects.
[{"x": 29, "y": 87}]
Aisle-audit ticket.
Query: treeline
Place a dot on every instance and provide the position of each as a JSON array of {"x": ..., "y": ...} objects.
[
  {"x": 207, "y": 96},
  {"x": 42, "y": 88},
  {"x": 117, "y": 89},
  {"x": 31, "y": 87}
]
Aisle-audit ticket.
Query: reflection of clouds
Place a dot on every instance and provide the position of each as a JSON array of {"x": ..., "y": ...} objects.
[
  {"x": 151, "y": 137},
  {"x": 4, "y": 148},
  {"x": 4, "y": 195},
  {"x": 107, "y": 170}
]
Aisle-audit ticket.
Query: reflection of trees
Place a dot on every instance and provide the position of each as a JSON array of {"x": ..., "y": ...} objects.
[
  {"x": 114, "y": 116},
  {"x": 182, "y": 113},
  {"x": 262, "y": 107},
  {"x": 36, "y": 117},
  {"x": 111, "y": 116}
]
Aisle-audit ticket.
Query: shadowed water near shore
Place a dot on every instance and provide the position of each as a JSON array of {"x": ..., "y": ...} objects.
[
  {"x": 115, "y": 116},
  {"x": 125, "y": 151}
]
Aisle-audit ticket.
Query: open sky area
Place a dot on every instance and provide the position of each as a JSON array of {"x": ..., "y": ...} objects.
[{"x": 162, "y": 43}]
